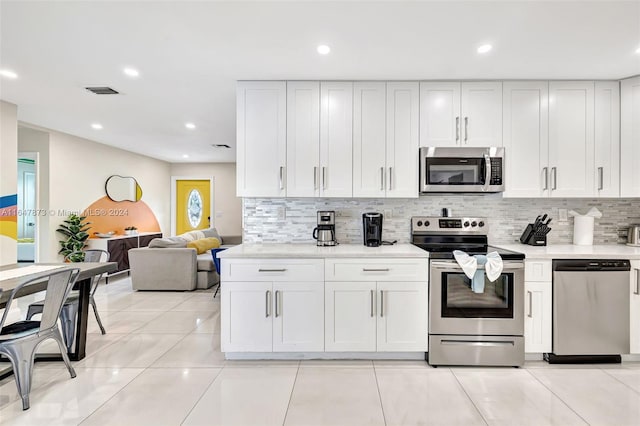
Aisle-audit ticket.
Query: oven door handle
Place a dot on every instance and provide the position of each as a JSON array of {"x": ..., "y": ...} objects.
[{"x": 453, "y": 266}]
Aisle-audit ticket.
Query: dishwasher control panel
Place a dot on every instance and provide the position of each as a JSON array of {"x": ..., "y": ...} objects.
[{"x": 592, "y": 265}]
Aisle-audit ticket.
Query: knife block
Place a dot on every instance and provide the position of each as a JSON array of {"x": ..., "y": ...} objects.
[{"x": 529, "y": 237}]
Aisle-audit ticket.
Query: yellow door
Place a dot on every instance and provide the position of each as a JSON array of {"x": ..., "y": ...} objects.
[{"x": 193, "y": 203}]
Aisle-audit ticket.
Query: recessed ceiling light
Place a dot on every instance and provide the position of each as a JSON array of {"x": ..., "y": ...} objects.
[
  {"x": 96, "y": 126},
  {"x": 485, "y": 48},
  {"x": 190, "y": 126},
  {"x": 638, "y": 50},
  {"x": 8, "y": 74},
  {"x": 131, "y": 72},
  {"x": 185, "y": 155},
  {"x": 323, "y": 49}
]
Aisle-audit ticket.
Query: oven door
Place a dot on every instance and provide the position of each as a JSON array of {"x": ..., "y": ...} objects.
[{"x": 456, "y": 309}]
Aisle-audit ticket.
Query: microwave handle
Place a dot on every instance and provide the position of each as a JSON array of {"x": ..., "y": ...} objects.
[{"x": 487, "y": 172}]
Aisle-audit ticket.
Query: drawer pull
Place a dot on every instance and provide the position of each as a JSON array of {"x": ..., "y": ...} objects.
[
  {"x": 375, "y": 270},
  {"x": 271, "y": 270}
]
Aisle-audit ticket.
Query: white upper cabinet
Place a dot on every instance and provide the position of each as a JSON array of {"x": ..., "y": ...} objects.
[
  {"x": 369, "y": 139},
  {"x": 481, "y": 114},
  {"x": 526, "y": 123},
  {"x": 403, "y": 115},
  {"x": 261, "y": 138},
  {"x": 303, "y": 138},
  {"x": 607, "y": 138},
  {"x": 630, "y": 142},
  {"x": 336, "y": 141},
  {"x": 385, "y": 139},
  {"x": 461, "y": 114},
  {"x": 571, "y": 139},
  {"x": 439, "y": 114}
]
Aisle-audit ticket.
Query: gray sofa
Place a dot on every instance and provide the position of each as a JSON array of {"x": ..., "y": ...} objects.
[
  {"x": 171, "y": 269},
  {"x": 172, "y": 266}
]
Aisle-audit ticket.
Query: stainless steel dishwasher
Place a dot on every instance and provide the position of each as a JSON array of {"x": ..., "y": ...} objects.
[{"x": 590, "y": 311}]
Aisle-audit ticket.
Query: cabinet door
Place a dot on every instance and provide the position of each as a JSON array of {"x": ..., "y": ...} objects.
[
  {"x": 571, "y": 143},
  {"x": 402, "y": 316},
  {"x": 526, "y": 124},
  {"x": 350, "y": 316},
  {"x": 303, "y": 138},
  {"x": 403, "y": 112},
  {"x": 440, "y": 114},
  {"x": 369, "y": 163},
  {"x": 635, "y": 307},
  {"x": 298, "y": 317},
  {"x": 336, "y": 139},
  {"x": 481, "y": 114},
  {"x": 537, "y": 320},
  {"x": 607, "y": 138},
  {"x": 245, "y": 319},
  {"x": 630, "y": 145},
  {"x": 261, "y": 138}
]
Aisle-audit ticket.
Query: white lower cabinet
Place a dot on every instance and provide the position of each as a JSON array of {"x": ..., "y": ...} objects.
[
  {"x": 538, "y": 306},
  {"x": 537, "y": 319},
  {"x": 635, "y": 307},
  {"x": 369, "y": 316},
  {"x": 298, "y": 317},
  {"x": 245, "y": 321}
]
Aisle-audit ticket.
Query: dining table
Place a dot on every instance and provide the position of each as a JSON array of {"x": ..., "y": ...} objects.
[{"x": 13, "y": 278}]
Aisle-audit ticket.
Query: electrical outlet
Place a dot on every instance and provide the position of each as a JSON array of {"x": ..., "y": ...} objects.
[
  {"x": 388, "y": 214},
  {"x": 218, "y": 215},
  {"x": 282, "y": 213},
  {"x": 562, "y": 215}
]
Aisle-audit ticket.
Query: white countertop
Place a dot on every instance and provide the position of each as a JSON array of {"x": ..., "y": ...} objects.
[
  {"x": 292, "y": 251},
  {"x": 569, "y": 251}
]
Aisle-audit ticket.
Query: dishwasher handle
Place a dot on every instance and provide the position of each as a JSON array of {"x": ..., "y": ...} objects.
[{"x": 591, "y": 265}]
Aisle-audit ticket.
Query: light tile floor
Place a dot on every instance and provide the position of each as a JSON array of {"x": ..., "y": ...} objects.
[{"x": 160, "y": 364}]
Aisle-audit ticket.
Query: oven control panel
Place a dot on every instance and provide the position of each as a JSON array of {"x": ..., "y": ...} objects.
[{"x": 465, "y": 225}]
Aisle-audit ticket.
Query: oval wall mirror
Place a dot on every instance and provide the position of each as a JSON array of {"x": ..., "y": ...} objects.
[{"x": 123, "y": 188}]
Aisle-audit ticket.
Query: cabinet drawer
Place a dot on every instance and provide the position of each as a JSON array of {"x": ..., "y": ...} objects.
[
  {"x": 537, "y": 270},
  {"x": 376, "y": 270},
  {"x": 272, "y": 269}
]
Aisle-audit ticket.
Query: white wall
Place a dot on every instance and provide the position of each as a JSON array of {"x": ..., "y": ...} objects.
[
  {"x": 77, "y": 171},
  {"x": 8, "y": 175},
  {"x": 228, "y": 208}
]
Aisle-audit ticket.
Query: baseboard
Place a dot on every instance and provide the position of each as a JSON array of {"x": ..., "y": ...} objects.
[{"x": 324, "y": 355}]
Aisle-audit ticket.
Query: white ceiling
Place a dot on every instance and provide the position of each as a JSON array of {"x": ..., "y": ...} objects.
[{"x": 190, "y": 53}]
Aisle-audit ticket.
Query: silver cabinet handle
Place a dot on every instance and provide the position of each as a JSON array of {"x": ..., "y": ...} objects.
[
  {"x": 277, "y": 293},
  {"x": 466, "y": 129},
  {"x": 457, "y": 129},
  {"x": 271, "y": 270},
  {"x": 600, "y": 178},
  {"x": 637, "y": 292},
  {"x": 381, "y": 303},
  {"x": 381, "y": 178},
  {"x": 479, "y": 342},
  {"x": 530, "y": 314},
  {"x": 372, "y": 295},
  {"x": 545, "y": 171},
  {"x": 375, "y": 270},
  {"x": 324, "y": 178},
  {"x": 266, "y": 304},
  {"x": 554, "y": 175},
  {"x": 281, "y": 177},
  {"x": 315, "y": 178},
  {"x": 390, "y": 178}
]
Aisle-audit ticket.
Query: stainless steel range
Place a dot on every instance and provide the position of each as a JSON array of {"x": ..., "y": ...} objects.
[{"x": 467, "y": 327}]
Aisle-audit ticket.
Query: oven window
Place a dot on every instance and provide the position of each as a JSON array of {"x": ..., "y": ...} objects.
[
  {"x": 459, "y": 301},
  {"x": 455, "y": 171}
]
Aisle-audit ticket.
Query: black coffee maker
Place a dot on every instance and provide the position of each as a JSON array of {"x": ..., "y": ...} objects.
[{"x": 372, "y": 229}]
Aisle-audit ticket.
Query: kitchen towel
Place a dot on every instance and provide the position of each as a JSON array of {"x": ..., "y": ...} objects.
[{"x": 492, "y": 263}]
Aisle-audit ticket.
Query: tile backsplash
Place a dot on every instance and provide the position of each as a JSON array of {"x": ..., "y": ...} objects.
[{"x": 270, "y": 220}]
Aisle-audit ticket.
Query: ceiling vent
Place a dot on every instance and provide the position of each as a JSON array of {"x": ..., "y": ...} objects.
[
  {"x": 220, "y": 145},
  {"x": 102, "y": 90}
]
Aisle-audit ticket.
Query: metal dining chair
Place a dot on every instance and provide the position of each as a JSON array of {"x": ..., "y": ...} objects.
[
  {"x": 72, "y": 304},
  {"x": 19, "y": 340}
]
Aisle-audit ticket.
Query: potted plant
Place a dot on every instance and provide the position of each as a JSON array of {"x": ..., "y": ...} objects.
[
  {"x": 75, "y": 230},
  {"x": 130, "y": 230}
]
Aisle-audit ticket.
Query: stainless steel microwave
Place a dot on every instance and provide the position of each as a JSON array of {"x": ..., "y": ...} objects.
[{"x": 461, "y": 169}]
